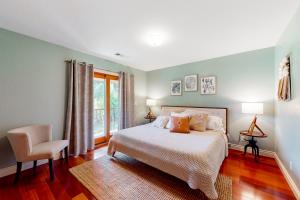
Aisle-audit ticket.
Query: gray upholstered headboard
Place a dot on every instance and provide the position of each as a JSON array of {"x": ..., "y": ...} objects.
[{"x": 216, "y": 111}]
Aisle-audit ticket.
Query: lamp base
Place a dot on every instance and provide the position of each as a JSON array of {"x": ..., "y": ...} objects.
[
  {"x": 254, "y": 125},
  {"x": 150, "y": 114}
]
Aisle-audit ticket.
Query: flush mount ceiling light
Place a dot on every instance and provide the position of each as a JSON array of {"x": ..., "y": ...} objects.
[{"x": 155, "y": 39}]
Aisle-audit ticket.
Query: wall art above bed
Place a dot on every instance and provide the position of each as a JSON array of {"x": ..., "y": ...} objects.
[
  {"x": 176, "y": 88},
  {"x": 208, "y": 85},
  {"x": 191, "y": 83}
]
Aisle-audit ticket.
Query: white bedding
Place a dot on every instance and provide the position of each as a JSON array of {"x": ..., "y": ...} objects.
[{"x": 195, "y": 158}]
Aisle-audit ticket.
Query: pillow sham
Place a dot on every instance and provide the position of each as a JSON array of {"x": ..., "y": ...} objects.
[
  {"x": 198, "y": 122},
  {"x": 161, "y": 121},
  {"x": 180, "y": 124},
  {"x": 198, "y": 119},
  {"x": 214, "y": 123}
]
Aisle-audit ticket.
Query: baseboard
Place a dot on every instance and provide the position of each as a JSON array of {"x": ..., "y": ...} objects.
[
  {"x": 262, "y": 152},
  {"x": 12, "y": 169},
  {"x": 28, "y": 165},
  {"x": 288, "y": 178}
]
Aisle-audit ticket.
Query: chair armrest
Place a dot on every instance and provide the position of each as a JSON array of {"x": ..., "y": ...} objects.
[{"x": 21, "y": 144}]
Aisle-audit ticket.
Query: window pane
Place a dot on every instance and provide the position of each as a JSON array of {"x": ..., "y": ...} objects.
[
  {"x": 114, "y": 105},
  {"x": 99, "y": 107}
]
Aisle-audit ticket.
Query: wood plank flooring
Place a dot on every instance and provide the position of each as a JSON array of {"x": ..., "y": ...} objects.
[{"x": 251, "y": 180}]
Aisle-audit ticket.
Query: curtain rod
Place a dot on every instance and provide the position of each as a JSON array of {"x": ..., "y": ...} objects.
[
  {"x": 95, "y": 68},
  {"x": 78, "y": 62}
]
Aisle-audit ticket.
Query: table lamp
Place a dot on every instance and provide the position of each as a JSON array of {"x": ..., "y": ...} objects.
[
  {"x": 149, "y": 103},
  {"x": 253, "y": 108}
]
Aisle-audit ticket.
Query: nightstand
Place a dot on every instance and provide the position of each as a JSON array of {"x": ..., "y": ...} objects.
[
  {"x": 252, "y": 141},
  {"x": 150, "y": 118}
]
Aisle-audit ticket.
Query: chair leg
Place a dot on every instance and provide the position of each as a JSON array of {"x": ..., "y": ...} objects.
[
  {"x": 66, "y": 151},
  {"x": 50, "y": 162},
  {"x": 19, "y": 168},
  {"x": 245, "y": 148},
  {"x": 34, "y": 165}
]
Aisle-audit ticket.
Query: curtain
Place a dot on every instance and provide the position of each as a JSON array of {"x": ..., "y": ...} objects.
[
  {"x": 126, "y": 85},
  {"x": 79, "y": 114}
]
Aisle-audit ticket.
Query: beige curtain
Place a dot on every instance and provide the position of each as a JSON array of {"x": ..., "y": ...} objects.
[
  {"x": 126, "y": 85},
  {"x": 79, "y": 114}
]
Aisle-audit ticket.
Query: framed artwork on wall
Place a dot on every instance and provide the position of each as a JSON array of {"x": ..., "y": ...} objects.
[
  {"x": 208, "y": 85},
  {"x": 284, "y": 82},
  {"x": 191, "y": 83},
  {"x": 176, "y": 88}
]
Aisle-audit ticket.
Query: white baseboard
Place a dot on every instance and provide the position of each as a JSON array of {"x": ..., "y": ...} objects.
[
  {"x": 12, "y": 169},
  {"x": 262, "y": 152},
  {"x": 288, "y": 178}
]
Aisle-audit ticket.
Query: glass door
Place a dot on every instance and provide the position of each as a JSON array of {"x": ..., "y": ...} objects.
[
  {"x": 114, "y": 106},
  {"x": 106, "y": 106}
]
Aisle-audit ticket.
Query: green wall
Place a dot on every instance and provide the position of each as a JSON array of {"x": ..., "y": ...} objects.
[
  {"x": 33, "y": 83},
  {"x": 245, "y": 77},
  {"x": 287, "y": 115}
]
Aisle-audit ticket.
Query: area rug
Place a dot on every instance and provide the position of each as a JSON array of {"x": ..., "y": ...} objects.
[{"x": 126, "y": 178}]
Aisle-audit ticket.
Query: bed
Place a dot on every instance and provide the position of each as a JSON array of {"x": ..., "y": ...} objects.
[{"x": 194, "y": 158}]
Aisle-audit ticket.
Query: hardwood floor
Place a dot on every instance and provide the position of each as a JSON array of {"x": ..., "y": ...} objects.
[
  {"x": 255, "y": 180},
  {"x": 251, "y": 180}
]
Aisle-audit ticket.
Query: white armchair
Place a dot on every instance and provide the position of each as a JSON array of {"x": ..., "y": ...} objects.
[{"x": 34, "y": 143}]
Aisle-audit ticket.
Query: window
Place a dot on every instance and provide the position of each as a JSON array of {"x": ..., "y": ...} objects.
[{"x": 106, "y": 106}]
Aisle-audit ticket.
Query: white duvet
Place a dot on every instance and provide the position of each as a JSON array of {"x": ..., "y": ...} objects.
[{"x": 195, "y": 158}]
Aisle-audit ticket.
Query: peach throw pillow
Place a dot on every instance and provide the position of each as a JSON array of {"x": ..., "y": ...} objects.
[
  {"x": 180, "y": 124},
  {"x": 198, "y": 122}
]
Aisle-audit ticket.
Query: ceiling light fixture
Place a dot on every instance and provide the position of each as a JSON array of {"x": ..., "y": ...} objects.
[{"x": 155, "y": 39}]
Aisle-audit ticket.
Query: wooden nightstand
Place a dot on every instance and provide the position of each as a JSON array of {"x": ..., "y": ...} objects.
[
  {"x": 150, "y": 118},
  {"x": 252, "y": 141}
]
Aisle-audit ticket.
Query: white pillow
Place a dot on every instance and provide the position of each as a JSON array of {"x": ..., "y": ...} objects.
[
  {"x": 214, "y": 123},
  {"x": 174, "y": 114},
  {"x": 160, "y": 121}
]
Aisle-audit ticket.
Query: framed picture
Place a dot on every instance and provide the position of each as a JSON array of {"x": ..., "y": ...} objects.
[
  {"x": 284, "y": 82},
  {"x": 208, "y": 85},
  {"x": 176, "y": 88},
  {"x": 190, "y": 83}
]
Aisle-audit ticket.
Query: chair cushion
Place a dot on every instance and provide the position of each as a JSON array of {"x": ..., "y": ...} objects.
[{"x": 47, "y": 150}]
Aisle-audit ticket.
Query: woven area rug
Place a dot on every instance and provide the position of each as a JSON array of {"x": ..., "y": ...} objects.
[{"x": 126, "y": 178}]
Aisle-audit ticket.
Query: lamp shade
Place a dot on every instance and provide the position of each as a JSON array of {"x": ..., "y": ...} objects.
[
  {"x": 253, "y": 108},
  {"x": 150, "y": 102}
]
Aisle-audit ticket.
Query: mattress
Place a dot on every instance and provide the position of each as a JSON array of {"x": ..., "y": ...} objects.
[{"x": 195, "y": 158}]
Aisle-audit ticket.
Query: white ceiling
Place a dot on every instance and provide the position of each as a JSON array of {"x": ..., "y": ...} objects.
[{"x": 193, "y": 30}]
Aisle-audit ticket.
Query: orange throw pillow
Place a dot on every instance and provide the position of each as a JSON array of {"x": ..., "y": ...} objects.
[{"x": 180, "y": 124}]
